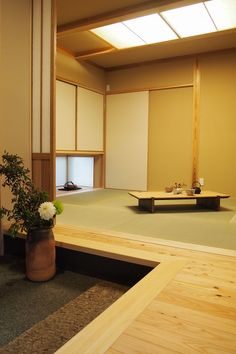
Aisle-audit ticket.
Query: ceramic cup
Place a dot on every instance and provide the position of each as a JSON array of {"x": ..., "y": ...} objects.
[
  {"x": 177, "y": 190},
  {"x": 168, "y": 189},
  {"x": 190, "y": 192}
]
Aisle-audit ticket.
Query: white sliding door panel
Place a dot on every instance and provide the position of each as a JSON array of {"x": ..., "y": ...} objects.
[
  {"x": 127, "y": 141},
  {"x": 90, "y": 120},
  {"x": 65, "y": 116},
  {"x": 46, "y": 75}
]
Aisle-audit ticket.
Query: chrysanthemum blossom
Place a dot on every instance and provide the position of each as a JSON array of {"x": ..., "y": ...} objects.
[{"x": 47, "y": 210}]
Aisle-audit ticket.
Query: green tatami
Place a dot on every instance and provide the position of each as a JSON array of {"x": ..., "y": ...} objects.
[{"x": 116, "y": 210}]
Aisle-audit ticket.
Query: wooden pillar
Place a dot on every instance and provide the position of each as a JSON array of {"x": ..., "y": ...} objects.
[
  {"x": 196, "y": 120},
  {"x": 43, "y": 95}
]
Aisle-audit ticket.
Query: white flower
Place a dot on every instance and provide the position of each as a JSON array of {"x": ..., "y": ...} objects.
[{"x": 47, "y": 210}]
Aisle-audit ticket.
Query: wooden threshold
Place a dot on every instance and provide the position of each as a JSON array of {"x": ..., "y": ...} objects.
[
  {"x": 72, "y": 237},
  {"x": 74, "y": 231},
  {"x": 98, "y": 336}
]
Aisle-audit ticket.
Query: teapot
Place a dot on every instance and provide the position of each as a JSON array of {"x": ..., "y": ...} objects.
[{"x": 70, "y": 186}]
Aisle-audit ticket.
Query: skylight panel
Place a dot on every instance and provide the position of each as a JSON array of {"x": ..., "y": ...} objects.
[
  {"x": 118, "y": 35},
  {"x": 223, "y": 13},
  {"x": 201, "y": 18},
  {"x": 151, "y": 28},
  {"x": 189, "y": 20}
]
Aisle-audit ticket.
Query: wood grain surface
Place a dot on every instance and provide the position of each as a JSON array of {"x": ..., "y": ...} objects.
[{"x": 187, "y": 304}]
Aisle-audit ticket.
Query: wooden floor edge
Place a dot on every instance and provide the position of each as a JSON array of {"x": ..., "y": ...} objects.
[
  {"x": 99, "y": 335},
  {"x": 141, "y": 257},
  {"x": 177, "y": 244},
  {"x": 156, "y": 241}
]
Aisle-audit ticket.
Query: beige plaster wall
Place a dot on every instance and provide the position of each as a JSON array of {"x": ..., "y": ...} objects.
[
  {"x": 170, "y": 137},
  {"x": 15, "y": 82},
  {"x": 217, "y": 149},
  {"x": 84, "y": 74},
  {"x": 172, "y": 72},
  {"x": 15, "y": 132}
]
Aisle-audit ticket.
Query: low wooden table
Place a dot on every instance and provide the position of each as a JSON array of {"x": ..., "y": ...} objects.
[{"x": 207, "y": 199}]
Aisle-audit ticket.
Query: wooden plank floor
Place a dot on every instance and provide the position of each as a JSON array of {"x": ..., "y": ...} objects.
[{"x": 188, "y": 305}]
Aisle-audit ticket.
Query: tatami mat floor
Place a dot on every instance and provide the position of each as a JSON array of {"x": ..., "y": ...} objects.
[{"x": 117, "y": 211}]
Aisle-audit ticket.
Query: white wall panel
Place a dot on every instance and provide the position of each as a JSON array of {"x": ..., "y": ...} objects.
[
  {"x": 46, "y": 77},
  {"x": 36, "y": 73},
  {"x": 89, "y": 120},
  {"x": 42, "y": 82},
  {"x": 127, "y": 140},
  {"x": 65, "y": 115}
]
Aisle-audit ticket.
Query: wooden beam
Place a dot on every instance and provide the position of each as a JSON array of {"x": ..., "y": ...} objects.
[
  {"x": 90, "y": 53},
  {"x": 66, "y": 51}
]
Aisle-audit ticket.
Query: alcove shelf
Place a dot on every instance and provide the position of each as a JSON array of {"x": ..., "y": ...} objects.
[{"x": 79, "y": 153}]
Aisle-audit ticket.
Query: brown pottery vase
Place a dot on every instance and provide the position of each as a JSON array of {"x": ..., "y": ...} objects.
[{"x": 40, "y": 254}]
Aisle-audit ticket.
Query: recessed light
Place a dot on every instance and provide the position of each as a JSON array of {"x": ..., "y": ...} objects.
[
  {"x": 223, "y": 13},
  {"x": 118, "y": 35},
  {"x": 151, "y": 28},
  {"x": 189, "y": 20}
]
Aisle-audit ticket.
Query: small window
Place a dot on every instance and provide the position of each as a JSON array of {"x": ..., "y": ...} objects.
[
  {"x": 79, "y": 170},
  {"x": 61, "y": 171}
]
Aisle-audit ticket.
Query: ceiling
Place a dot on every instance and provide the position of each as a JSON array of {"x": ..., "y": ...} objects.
[{"x": 76, "y": 17}]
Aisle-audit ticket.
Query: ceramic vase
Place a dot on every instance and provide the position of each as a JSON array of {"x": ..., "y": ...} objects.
[{"x": 40, "y": 254}]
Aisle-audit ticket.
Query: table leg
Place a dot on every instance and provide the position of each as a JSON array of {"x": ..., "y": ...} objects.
[
  {"x": 147, "y": 204},
  {"x": 211, "y": 203}
]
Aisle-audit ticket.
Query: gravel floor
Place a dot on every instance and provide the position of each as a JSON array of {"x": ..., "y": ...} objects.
[{"x": 41, "y": 317}]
